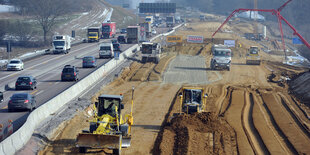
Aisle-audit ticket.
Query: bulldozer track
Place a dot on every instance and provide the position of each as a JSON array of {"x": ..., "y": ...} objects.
[{"x": 253, "y": 136}]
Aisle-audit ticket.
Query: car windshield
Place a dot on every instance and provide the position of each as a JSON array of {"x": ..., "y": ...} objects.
[
  {"x": 88, "y": 59},
  {"x": 59, "y": 43},
  {"x": 68, "y": 70},
  {"x": 115, "y": 45},
  {"x": 19, "y": 96},
  {"x": 23, "y": 79},
  {"x": 105, "y": 48},
  {"x": 14, "y": 62},
  {"x": 222, "y": 53}
]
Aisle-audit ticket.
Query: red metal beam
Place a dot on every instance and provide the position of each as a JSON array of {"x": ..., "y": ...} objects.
[
  {"x": 274, "y": 12},
  {"x": 281, "y": 7}
]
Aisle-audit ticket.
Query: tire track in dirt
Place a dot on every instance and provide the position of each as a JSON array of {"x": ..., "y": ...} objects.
[
  {"x": 295, "y": 110},
  {"x": 254, "y": 137},
  {"x": 234, "y": 117},
  {"x": 143, "y": 72},
  {"x": 264, "y": 124},
  {"x": 293, "y": 135}
]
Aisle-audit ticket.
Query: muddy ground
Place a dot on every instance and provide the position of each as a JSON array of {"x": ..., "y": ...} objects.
[{"x": 249, "y": 109}]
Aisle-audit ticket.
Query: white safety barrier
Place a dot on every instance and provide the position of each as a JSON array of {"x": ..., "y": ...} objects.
[{"x": 19, "y": 138}]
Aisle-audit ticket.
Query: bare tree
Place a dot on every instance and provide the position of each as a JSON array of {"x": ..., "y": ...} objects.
[{"x": 45, "y": 12}]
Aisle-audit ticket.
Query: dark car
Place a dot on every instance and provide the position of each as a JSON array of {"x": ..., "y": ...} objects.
[
  {"x": 121, "y": 39},
  {"x": 123, "y": 31},
  {"x": 26, "y": 82},
  {"x": 22, "y": 101},
  {"x": 116, "y": 46},
  {"x": 69, "y": 73},
  {"x": 1, "y": 97},
  {"x": 89, "y": 61}
]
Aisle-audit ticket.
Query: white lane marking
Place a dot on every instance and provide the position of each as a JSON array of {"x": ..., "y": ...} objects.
[{"x": 40, "y": 92}]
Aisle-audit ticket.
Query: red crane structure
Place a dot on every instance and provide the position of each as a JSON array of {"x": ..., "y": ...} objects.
[{"x": 274, "y": 12}]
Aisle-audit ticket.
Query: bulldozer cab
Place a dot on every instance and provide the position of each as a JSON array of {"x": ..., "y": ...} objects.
[
  {"x": 109, "y": 104},
  {"x": 192, "y": 100},
  {"x": 192, "y": 96}
]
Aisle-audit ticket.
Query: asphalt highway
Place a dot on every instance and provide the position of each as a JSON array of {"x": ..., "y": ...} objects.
[{"x": 47, "y": 70}]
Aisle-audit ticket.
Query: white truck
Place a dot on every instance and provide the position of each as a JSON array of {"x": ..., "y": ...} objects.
[
  {"x": 150, "y": 52},
  {"x": 61, "y": 44},
  {"x": 221, "y": 57},
  {"x": 106, "y": 50}
]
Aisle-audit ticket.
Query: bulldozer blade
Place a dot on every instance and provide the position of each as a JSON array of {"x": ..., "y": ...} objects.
[
  {"x": 126, "y": 142},
  {"x": 98, "y": 141}
]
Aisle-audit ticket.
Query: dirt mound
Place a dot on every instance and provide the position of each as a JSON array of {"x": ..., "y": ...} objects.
[{"x": 202, "y": 133}]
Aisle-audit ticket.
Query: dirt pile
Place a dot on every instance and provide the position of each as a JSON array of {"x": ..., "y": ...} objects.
[{"x": 202, "y": 133}]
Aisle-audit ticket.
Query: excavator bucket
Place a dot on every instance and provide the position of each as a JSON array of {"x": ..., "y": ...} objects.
[{"x": 102, "y": 141}]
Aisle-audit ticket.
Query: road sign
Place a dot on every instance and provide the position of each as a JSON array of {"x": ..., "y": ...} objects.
[
  {"x": 297, "y": 41},
  {"x": 157, "y": 7},
  {"x": 230, "y": 43},
  {"x": 195, "y": 39},
  {"x": 174, "y": 39},
  {"x": 116, "y": 55}
]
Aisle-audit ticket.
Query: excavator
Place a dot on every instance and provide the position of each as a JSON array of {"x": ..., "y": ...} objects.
[
  {"x": 107, "y": 129},
  {"x": 252, "y": 57},
  {"x": 192, "y": 100}
]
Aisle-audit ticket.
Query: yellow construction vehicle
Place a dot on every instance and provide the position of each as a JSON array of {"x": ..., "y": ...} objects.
[
  {"x": 107, "y": 129},
  {"x": 192, "y": 99},
  {"x": 252, "y": 57}
]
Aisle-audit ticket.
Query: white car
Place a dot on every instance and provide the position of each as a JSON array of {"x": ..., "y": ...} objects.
[
  {"x": 154, "y": 31},
  {"x": 15, "y": 64}
]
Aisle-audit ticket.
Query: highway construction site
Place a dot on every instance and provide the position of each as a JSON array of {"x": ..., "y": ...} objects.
[{"x": 251, "y": 109}]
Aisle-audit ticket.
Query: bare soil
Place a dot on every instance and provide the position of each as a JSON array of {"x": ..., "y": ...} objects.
[{"x": 249, "y": 108}]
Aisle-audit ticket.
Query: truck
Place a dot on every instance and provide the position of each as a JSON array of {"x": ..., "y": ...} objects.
[
  {"x": 150, "y": 52},
  {"x": 221, "y": 57},
  {"x": 93, "y": 34},
  {"x": 106, "y": 50},
  {"x": 133, "y": 34},
  {"x": 146, "y": 26},
  {"x": 149, "y": 19},
  {"x": 108, "y": 30},
  {"x": 170, "y": 21},
  {"x": 61, "y": 44}
]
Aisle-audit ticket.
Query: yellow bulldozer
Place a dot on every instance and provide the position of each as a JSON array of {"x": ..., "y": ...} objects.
[
  {"x": 107, "y": 129},
  {"x": 192, "y": 99},
  {"x": 252, "y": 57}
]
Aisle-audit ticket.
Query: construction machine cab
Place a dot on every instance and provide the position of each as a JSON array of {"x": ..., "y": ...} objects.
[
  {"x": 192, "y": 100},
  {"x": 109, "y": 104}
]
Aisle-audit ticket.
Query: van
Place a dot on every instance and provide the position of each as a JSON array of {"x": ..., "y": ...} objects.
[{"x": 106, "y": 50}]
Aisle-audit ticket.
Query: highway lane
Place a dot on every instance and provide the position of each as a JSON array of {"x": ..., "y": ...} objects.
[{"x": 47, "y": 70}]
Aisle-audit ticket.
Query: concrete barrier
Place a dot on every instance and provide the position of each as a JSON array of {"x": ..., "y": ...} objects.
[{"x": 18, "y": 139}]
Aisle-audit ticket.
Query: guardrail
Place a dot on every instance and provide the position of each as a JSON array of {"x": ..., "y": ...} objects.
[{"x": 19, "y": 138}]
